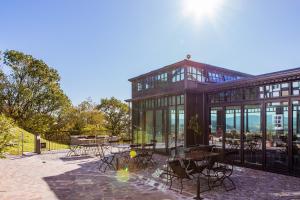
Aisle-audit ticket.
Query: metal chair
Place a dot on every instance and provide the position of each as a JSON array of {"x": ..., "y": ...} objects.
[
  {"x": 220, "y": 169},
  {"x": 106, "y": 160},
  {"x": 179, "y": 172}
]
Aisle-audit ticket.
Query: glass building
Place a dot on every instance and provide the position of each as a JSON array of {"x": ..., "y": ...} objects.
[{"x": 254, "y": 118}]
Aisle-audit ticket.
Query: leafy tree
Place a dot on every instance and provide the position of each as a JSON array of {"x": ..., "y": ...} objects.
[
  {"x": 81, "y": 119},
  {"x": 116, "y": 114},
  {"x": 6, "y": 133},
  {"x": 31, "y": 94}
]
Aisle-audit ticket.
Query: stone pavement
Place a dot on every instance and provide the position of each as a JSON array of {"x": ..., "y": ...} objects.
[{"x": 53, "y": 176}]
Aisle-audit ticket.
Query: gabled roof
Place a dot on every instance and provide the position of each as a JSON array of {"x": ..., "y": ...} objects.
[{"x": 186, "y": 62}]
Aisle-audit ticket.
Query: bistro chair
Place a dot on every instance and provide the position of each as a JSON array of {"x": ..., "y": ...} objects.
[
  {"x": 106, "y": 159},
  {"x": 219, "y": 169},
  {"x": 179, "y": 172},
  {"x": 166, "y": 171}
]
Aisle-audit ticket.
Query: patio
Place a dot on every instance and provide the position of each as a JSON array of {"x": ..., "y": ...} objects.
[{"x": 55, "y": 176}]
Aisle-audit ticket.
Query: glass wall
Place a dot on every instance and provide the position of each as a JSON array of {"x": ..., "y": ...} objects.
[
  {"x": 216, "y": 127},
  {"x": 139, "y": 129},
  {"x": 180, "y": 125},
  {"x": 232, "y": 133},
  {"x": 160, "y": 130},
  {"x": 296, "y": 137},
  {"x": 148, "y": 136},
  {"x": 276, "y": 136},
  {"x": 172, "y": 125},
  {"x": 252, "y": 135}
]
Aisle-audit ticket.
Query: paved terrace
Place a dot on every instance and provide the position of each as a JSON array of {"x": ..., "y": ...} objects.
[{"x": 53, "y": 176}]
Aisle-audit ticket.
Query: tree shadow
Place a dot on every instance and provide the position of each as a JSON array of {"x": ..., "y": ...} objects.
[{"x": 86, "y": 182}]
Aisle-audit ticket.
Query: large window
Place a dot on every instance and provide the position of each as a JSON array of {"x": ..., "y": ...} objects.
[
  {"x": 216, "y": 127},
  {"x": 180, "y": 125},
  {"x": 149, "y": 127},
  {"x": 215, "y": 77},
  {"x": 296, "y": 137},
  {"x": 296, "y": 88},
  {"x": 252, "y": 135},
  {"x": 232, "y": 133},
  {"x": 172, "y": 129},
  {"x": 195, "y": 74},
  {"x": 274, "y": 90},
  {"x": 139, "y": 86},
  {"x": 160, "y": 129},
  {"x": 277, "y": 134},
  {"x": 178, "y": 74}
]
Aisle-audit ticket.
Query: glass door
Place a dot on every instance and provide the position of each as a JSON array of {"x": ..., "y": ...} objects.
[
  {"x": 172, "y": 127},
  {"x": 276, "y": 136},
  {"x": 232, "y": 133},
  {"x": 148, "y": 136},
  {"x": 296, "y": 137},
  {"x": 180, "y": 125},
  {"x": 160, "y": 130},
  {"x": 216, "y": 127},
  {"x": 252, "y": 135}
]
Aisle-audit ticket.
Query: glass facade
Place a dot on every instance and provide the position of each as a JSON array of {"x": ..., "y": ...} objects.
[
  {"x": 276, "y": 136},
  {"x": 216, "y": 127},
  {"x": 233, "y": 132},
  {"x": 180, "y": 125},
  {"x": 172, "y": 127},
  {"x": 190, "y": 73},
  {"x": 255, "y": 122},
  {"x": 161, "y": 119},
  {"x": 252, "y": 135},
  {"x": 149, "y": 133},
  {"x": 296, "y": 137}
]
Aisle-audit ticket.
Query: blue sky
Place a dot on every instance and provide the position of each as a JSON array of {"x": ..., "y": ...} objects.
[{"x": 97, "y": 45}]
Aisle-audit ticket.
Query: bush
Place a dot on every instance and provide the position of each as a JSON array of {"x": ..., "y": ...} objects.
[{"x": 6, "y": 133}]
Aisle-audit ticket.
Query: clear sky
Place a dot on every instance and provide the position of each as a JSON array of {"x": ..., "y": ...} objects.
[{"x": 98, "y": 45}]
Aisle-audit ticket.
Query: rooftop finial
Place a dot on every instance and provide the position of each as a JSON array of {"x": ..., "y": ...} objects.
[{"x": 188, "y": 56}]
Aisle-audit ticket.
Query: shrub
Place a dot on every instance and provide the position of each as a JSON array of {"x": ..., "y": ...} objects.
[{"x": 6, "y": 133}]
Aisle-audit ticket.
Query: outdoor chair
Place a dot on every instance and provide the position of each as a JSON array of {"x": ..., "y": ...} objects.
[
  {"x": 179, "y": 172},
  {"x": 219, "y": 169},
  {"x": 166, "y": 171},
  {"x": 146, "y": 155},
  {"x": 106, "y": 159},
  {"x": 193, "y": 168}
]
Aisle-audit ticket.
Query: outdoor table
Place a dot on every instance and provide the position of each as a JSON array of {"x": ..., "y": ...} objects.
[{"x": 198, "y": 156}]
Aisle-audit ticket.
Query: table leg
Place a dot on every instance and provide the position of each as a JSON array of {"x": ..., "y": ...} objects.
[{"x": 198, "y": 189}]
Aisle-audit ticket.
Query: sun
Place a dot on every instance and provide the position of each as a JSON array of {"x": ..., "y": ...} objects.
[{"x": 199, "y": 10}]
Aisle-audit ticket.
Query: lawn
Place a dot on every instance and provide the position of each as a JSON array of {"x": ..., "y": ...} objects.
[{"x": 28, "y": 143}]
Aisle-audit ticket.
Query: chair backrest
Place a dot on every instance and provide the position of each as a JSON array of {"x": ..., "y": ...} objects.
[
  {"x": 177, "y": 169},
  {"x": 189, "y": 165}
]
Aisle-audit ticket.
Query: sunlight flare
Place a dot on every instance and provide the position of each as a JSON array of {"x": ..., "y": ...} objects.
[{"x": 200, "y": 10}]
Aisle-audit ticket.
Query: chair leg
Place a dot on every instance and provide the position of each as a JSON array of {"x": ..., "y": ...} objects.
[
  {"x": 181, "y": 186},
  {"x": 230, "y": 180},
  {"x": 171, "y": 182}
]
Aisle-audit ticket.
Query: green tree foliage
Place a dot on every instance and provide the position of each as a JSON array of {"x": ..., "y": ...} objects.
[
  {"x": 116, "y": 114},
  {"x": 31, "y": 92},
  {"x": 83, "y": 119},
  {"x": 6, "y": 133}
]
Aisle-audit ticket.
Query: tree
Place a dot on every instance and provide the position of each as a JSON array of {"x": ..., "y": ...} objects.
[
  {"x": 83, "y": 119},
  {"x": 116, "y": 114},
  {"x": 6, "y": 133},
  {"x": 31, "y": 93}
]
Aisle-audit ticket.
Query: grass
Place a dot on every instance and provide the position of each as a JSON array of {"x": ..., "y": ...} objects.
[{"x": 28, "y": 143}]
